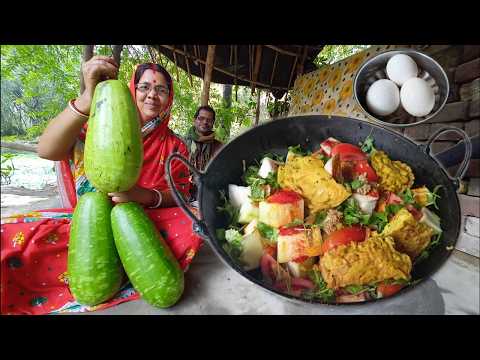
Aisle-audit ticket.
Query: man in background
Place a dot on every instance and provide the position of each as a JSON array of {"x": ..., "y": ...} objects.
[{"x": 201, "y": 141}]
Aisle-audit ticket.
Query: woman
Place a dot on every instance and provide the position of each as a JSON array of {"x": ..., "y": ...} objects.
[{"x": 34, "y": 246}]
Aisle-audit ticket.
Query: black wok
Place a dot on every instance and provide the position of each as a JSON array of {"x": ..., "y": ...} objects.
[{"x": 308, "y": 131}]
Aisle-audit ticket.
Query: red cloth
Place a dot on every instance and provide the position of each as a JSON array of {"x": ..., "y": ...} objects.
[
  {"x": 34, "y": 277},
  {"x": 34, "y": 248},
  {"x": 157, "y": 146}
]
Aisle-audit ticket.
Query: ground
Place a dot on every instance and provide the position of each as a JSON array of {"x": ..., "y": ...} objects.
[
  {"x": 211, "y": 287},
  {"x": 20, "y": 200}
]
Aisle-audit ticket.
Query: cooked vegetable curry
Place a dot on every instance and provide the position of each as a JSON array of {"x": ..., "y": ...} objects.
[{"x": 342, "y": 224}]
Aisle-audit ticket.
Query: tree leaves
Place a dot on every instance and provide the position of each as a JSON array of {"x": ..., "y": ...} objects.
[{"x": 39, "y": 80}]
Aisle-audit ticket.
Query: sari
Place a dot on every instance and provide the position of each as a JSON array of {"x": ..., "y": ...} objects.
[{"x": 34, "y": 246}]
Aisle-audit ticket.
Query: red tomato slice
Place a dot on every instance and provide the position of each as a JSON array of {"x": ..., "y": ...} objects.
[
  {"x": 394, "y": 199},
  {"x": 352, "y": 157},
  {"x": 327, "y": 146},
  {"x": 285, "y": 231},
  {"x": 417, "y": 214},
  {"x": 297, "y": 286},
  {"x": 302, "y": 283},
  {"x": 284, "y": 197},
  {"x": 373, "y": 193},
  {"x": 349, "y": 152},
  {"x": 271, "y": 250},
  {"x": 388, "y": 289},
  {"x": 301, "y": 259},
  {"x": 363, "y": 167},
  {"x": 266, "y": 263},
  {"x": 344, "y": 236}
]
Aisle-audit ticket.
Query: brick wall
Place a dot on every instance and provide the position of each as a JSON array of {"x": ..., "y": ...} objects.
[{"x": 462, "y": 66}]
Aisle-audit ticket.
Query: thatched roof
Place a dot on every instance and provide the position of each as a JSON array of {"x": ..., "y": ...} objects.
[{"x": 271, "y": 67}]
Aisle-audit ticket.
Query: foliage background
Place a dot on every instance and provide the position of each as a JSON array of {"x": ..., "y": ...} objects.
[{"x": 38, "y": 80}]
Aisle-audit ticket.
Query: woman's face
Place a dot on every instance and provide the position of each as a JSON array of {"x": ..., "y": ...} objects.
[{"x": 152, "y": 94}]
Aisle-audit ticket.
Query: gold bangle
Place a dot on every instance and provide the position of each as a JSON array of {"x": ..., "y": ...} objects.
[
  {"x": 72, "y": 107},
  {"x": 159, "y": 199}
]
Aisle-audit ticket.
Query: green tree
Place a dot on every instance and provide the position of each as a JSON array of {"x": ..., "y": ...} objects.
[
  {"x": 332, "y": 53},
  {"x": 38, "y": 80}
]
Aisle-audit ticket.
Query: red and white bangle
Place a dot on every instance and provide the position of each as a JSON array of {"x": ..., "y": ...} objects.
[
  {"x": 71, "y": 105},
  {"x": 159, "y": 199}
]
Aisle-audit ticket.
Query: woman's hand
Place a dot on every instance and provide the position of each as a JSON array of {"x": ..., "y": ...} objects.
[
  {"x": 137, "y": 194},
  {"x": 95, "y": 70}
]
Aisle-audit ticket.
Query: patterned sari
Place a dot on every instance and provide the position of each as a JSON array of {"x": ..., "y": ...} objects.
[{"x": 34, "y": 278}]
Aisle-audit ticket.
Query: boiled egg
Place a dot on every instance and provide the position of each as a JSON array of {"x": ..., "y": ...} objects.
[
  {"x": 417, "y": 97},
  {"x": 401, "y": 68},
  {"x": 383, "y": 97}
]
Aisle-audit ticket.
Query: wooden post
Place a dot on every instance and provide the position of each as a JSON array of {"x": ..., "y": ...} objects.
[
  {"x": 235, "y": 72},
  {"x": 258, "y": 61},
  {"x": 198, "y": 57},
  {"x": 188, "y": 64},
  {"x": 175, "y": 60},
  {"x": 87, "y": 54},
  {"x": 273, "y": 70},
  {"x": 257, "y": 113},
  {"x": 208, "y": 74},
  {"x": 302, "y": 62},
  {"x": 117, "y": 51}
]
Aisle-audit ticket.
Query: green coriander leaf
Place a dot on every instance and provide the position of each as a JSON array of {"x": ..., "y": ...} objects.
[
  {"x": 257, "y": 191},
  {"x": 356, "y": 184},
  {"x": 407, "y": 197},
  {"x": 220, "y": 234},
  {"x": 355, "y": 289},
  {"x": 321, "y": 291},
  {"x": 231, "y": 211},
  {"x": 433, "y": 196},
  {"x": 294, "y": 223},
  {"x": 379, "y": 220},
  {"x": 367, "y": 145},
  {"x": 320, "y": 217},
  {"x": 393, "y": 208},
  {"x": 268, "y": 232},
  {"x": 299, "y": 150},
  {"x": 233, "y": 235}
]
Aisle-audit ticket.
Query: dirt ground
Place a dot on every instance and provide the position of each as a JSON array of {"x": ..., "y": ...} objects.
[{"x": 16, "y": 200}]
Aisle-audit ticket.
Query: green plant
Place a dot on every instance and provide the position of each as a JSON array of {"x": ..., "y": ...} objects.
[
  {"x": 333, "y": 53},
  {"x": 7, "y": 170}
]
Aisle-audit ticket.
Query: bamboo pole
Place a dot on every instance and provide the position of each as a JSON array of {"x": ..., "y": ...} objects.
[
  {"x": 235, "y": 75},
  {"x": 116, "y": 52},
  {"x": 291, "y": 72},
  {"x": 231, "y": 74},
  {"x": 258, "y": 61},
  {"x": 281, "y": 51},
  {"x": 197, "y": 55},
  {"x": 188, "y": 64},
  {"x": 175, "y": 60},
  {"x": 302, "y": 61},
  {"x": 273, "y": 69},
  {"x": 150, "y": 52},
  {"x": 257, "y": 112},
  {"x": 250, "y": 64},
  {"x": 208, "y": 74}
]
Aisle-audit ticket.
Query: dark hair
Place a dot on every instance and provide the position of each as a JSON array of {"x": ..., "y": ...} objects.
[
  {"x": 207, "y": 108},
  {"x": 141, "y": 69}
]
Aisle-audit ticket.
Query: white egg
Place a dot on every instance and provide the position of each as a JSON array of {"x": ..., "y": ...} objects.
[
  {"x": 417, "y": 97},
  {"x": 400, "y": 68},
  {"x": 383, "y": 97}
]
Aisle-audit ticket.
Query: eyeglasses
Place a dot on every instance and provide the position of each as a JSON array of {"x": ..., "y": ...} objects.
[
  {"x": 159, "y": 89},
  {"x": 202, "y": 118}
]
